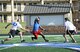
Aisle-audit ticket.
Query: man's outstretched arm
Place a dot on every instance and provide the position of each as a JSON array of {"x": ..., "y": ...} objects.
[
  {"x": 42, "y": 28},
  {"x": 7, "y": 25},
  {"x": 25, "y": 29}
]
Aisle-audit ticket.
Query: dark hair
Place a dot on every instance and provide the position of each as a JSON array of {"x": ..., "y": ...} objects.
[
  {"x": 36, "y": 19},
  {"x": 17, "y": 19},
  {"x": 66, "y": 19}
]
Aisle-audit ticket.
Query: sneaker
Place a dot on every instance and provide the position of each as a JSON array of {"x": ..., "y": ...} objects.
[
  {"x": 2, "y": 41},
  {"x": 46, "y": 40},
  {"x": 74, "y": 41},
  {"x": 32, "y": 38},
  {"x": 22, "y": 41},
  {"x": 66, "y": 41}
]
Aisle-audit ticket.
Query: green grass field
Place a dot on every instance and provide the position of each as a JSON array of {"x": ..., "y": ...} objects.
[
  {"x": 35, "y": 49},
  {"x": 51, "y": 38}
]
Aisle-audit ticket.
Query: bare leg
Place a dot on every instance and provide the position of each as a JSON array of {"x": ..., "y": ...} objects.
[
  {"x": 20, "y": 34},
  {"x": 35, "y": 37},
  {"x": 72, "y": 38},
  {"x": 6, "y": 39},
  {"x": 21, "y": 37},
  {"x": 44, "y": 37},
  {"x": 66, "y": 40}
]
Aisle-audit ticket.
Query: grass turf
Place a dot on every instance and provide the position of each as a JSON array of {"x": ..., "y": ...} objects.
[
  {"x": 5, "y": 31},
  {"x": 52, "y": 38},
  {"x": 35, "y": 49}
]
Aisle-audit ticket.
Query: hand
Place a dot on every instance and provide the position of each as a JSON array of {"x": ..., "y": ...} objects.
[
  {"x": 27, "y": 30},
  {"x": 45, "y": 30},
  {"x": 5, "y": 27},
  {"x": 75, "y": 32}
]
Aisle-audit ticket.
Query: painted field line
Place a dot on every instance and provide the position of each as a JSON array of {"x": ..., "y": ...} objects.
[
  {"x": 44, "y": 44},
  {"x": 5, "y": 48},
  {"x": 76, "y": 49}
]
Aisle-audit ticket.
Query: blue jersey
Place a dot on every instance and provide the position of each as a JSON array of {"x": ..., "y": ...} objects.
[{"x": 36, "y": 26}]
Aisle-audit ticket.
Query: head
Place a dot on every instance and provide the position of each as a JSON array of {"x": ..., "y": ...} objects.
[
  {"x": 66, "y": 19},
  {"x": 37, "y": 19},
  {"x": 17, "y": 20}
]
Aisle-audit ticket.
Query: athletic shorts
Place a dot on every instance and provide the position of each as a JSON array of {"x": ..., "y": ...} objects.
[
  {"x": 36, "y": 33},
  {"x": 70, "y": 31},
  {"x": 14, "y": 32}
]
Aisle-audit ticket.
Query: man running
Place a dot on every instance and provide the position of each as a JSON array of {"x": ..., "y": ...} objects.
[
  {"x": 14, "y": 31},
  {"x": 70, "y": 29},
  {"x": 37, "y": 30}
]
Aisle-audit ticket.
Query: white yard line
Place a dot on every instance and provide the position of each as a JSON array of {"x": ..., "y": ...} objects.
[
  {"x": 77, "y": 49},
  {"x": 64, "y": 45},
  {"x": 5, "y": 48}
]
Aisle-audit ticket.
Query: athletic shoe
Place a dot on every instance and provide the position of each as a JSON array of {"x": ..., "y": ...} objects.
[
  {"x": 66, "y": 41},
  {"x": 32, "y": 38},
  {"x": 22, "y": 41},
  {"x": 2, "y": 41},
  {"x": 46, "y": 40},
  {"x": 73, "y": 41}
]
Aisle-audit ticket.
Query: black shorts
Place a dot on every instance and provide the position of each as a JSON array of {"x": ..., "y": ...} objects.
[
  {"x": 70, "y": 31},
  {"x": 13, "y": 33}
]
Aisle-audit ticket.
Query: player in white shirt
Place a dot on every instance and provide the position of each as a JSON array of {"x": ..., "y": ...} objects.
[
  {"x": 14, "y": 31},
  {"x": 70, "y": 29}
]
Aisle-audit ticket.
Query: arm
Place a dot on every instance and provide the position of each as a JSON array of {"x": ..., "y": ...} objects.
[
  {"x": 42, "y": 28},
  {"x": 25, "y": 29},
  {"x": 75, "y": 29},
  {"x": 7, "y": 25},
  {"x": 20, "y": 26}
]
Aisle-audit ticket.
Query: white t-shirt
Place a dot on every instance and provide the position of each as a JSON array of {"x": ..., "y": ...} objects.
[
  {"x": 16, "y": 25},
  {"x": 69, "y": 26}
]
